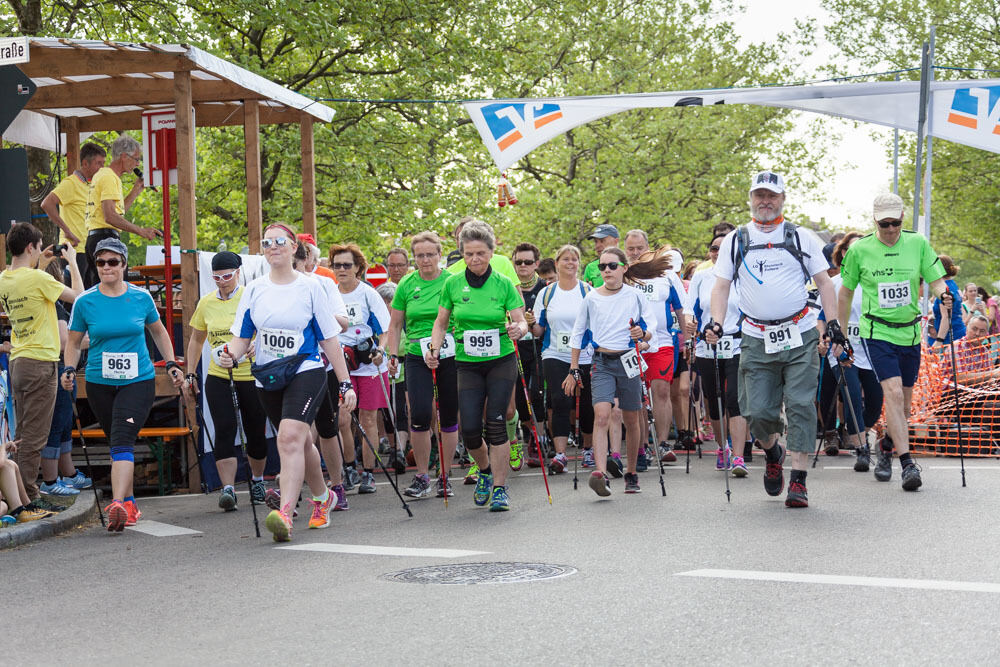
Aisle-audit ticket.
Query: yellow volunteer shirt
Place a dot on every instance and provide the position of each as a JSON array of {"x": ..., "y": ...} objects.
[
  {"x": 707, "y": 264},
  {"x": 104, "y": 186},
  {"x": 28, "y": 296},
  {"x": 74, "y": 193},
  {"x": 215, "y": 317}
]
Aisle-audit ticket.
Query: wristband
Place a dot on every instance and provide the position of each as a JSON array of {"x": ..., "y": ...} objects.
[
  {"x": 171, "y": 365},
  {"x": 193, "y": 377},
  {"x": 70, "y": 369},
  {"x": 346, "y": 386}
]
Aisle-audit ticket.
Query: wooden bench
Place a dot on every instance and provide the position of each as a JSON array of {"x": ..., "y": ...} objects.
[{"x": 160, "y": 439}]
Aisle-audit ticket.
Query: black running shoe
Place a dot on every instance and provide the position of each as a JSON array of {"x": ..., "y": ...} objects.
[
  {"x": 883, "y": 468},
  {"x": 774, "y": 476},
  {"x": 632, "y": 483},
  {"x": 911, "y": 477},
  {"x": 642, "y": 463},
  {"x": 614, "y": 466},
  {"x": 797, "y": 496},
  {"x": 864, "y": 458}
]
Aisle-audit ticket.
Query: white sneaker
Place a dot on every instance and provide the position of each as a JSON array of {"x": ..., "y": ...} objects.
[{"x": 58, "y": 488}]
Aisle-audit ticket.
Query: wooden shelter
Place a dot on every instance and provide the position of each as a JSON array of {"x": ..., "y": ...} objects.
[{"x": 87, "y": 86}]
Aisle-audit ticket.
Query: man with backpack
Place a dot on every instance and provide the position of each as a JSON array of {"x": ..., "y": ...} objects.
[{"x": 771, "y": 261}]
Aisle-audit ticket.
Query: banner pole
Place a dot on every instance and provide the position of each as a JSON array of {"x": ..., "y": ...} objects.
[
  {"x": 921, "y": 120},
  {"x": 895, "y": 157}
]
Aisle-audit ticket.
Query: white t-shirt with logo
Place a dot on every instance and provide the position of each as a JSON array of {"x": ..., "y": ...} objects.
[
  {"x": 771, "y": 285},
  {"x": 558, "y": 319}
]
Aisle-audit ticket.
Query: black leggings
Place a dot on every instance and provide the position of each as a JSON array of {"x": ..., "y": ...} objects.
[
  {"x": 485, "y": 384},
  {"x": 219, "y": 398},
  {"x": 420, "y": 387},
  {"x": 561, "y": 404},
  {"x": 328, "y": 412},
  {"x": 299, "y": 400},
  {"x": 121, "y": 411},
  {"x": 528, "y": 364},
  {"x": 866, "y": 397},
  {"x": 728, "y": 370}
]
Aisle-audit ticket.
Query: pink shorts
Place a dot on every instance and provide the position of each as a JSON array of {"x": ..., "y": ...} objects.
[{"x": 370, "y": 397}]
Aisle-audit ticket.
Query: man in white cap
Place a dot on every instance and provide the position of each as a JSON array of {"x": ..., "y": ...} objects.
[
  {"x": 888, "y": 265},
  {"x": 771, "y": 261}
]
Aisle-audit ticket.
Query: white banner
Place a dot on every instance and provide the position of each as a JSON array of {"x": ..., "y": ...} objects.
[{"x": 965, "y": 112}]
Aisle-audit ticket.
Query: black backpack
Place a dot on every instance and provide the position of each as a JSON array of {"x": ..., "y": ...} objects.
[{"x": 741, "y": 246}]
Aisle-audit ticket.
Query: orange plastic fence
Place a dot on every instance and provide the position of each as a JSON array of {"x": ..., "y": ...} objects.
[{"x": 933, "y": 424}]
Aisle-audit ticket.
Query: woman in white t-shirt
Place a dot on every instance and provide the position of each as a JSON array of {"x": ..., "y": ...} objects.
[
  {"x": 555, "y": 314},
  {"x": 289, "y": 318},
  {"x": 363, "y": 343},
  {"x": 621, "y": 322}
]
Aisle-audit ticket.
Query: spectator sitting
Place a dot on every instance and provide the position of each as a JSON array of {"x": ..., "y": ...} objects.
[
  {"x": 973, "y": 356},
  {"x": 14, "y": 505}
]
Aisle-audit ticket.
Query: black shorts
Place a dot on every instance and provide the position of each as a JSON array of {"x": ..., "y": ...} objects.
[
  {"x": 728, "y": 374},
  {"x": 121, "y": 411},
  {"x": 485, "y": 386},
  {"x": 219, "y": 397},
  {"x": 420, "y": 387},
  {"x": 299, "y": 400},
  {"x": 561, "y": 404}
]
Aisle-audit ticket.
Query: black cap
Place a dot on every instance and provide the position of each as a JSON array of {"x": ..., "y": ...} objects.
[{"x": 226, "y": 260}]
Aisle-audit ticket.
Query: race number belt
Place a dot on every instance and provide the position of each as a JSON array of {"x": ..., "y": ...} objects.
[{"x": 761, "y": 324}]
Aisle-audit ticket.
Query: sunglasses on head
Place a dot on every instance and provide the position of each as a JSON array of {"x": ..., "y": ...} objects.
[
  {"x": 523, "y": 262},
  {"x": 280, "y": 242},
  {"x": 886, "y": 224},
  {"x": 343, "y": 265},
  {"x": 223, "y": 277},
  {"x": 608, "y": 266},
  {"x": 113, "y": 262}
]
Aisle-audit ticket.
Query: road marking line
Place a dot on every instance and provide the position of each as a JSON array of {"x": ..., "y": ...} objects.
[
  {"x": 157, "y": 529},
  {"x": 368, "y": 550},
  {"x": 839, "y": 580}
]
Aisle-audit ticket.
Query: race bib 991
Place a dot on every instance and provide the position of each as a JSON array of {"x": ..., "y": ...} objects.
[{"x": 782, "y": 337}]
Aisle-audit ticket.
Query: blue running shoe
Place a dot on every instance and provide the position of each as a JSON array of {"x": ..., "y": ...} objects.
[
  {"x": 499, "y": 502},
  {"x": 484, "y": 485},
  {"x": 78, "y": 480}
]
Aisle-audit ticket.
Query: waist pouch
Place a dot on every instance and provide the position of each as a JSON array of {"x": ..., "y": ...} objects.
[
  {"x": 359, "y": 354},
  {"x": 275, "y": 375},
  {"x": 893, "y": 325}
]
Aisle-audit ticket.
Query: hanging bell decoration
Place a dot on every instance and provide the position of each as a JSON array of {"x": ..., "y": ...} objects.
[{"x": 505, "y": 192}]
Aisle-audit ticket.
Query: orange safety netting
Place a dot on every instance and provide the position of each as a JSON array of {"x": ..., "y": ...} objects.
[{"x": 933, "y": 423}]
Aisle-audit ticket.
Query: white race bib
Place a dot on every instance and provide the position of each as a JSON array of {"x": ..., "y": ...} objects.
[
  {"x": 725, "y": 347},
  {"x": 354, "y": 313},
  {"x": 630, "y": 362},
  {"x": 482, "y": 342},
  {"x": 560, "y": 340},
  {"x": 782, "y": 337},
  {"x": 854, "y": 333},
  {"x": 447, "y": 347},
  {"x": 894, "y": 295},
  {"x": 119, "y": 365},
  {"x": 279, "y": 343}
]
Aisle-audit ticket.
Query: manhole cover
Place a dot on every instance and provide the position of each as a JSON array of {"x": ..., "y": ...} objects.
[{"x": 481, "y": 573}]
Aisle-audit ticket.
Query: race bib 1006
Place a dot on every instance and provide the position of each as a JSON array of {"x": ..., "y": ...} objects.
[
  {"x": 560, "y": 340},
  {"x": 894, "y": 295},
  {"x": 782, "y": 337},
  {"x": 481, "y": 342},
  {"x": 119, "y": 365},
  {"x": 279, "y": 343},
  {"x": 447, "y": 347}
]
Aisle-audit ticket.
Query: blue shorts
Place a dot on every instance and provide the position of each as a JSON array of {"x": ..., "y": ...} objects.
[{"x": 890, "y": 360}]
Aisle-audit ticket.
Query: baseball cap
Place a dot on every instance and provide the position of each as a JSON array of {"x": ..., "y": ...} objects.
[
  {"x": 604, "y": 231},
  {"x": 888, "y": 205},
  {"x": 768, "y": 180},
  {"x": 114, "y": 245},
  {"x": 306, "y": 238}
]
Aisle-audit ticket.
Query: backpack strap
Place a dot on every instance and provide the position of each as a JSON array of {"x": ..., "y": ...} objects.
[{"x": 791, "y": 243}]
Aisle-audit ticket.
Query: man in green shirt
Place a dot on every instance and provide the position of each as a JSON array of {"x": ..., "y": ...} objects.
[
  {"x": 888, "y": 265},
  {"x": 605, "y": 236}
]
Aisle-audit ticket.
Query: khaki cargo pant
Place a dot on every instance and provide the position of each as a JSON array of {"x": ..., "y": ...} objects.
[{"x": 33, "y": 385}]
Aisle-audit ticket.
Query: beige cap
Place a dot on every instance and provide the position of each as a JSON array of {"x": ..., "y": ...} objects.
[{"x": 888, "y": 205}]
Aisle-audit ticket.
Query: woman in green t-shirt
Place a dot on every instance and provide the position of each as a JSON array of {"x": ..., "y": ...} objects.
[
  {"x": 414, "y": 307},
  {"x": 475, "y": 304}
]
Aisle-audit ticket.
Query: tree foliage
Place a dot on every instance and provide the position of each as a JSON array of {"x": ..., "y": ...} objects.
[
  {"x": 965, "y": 199},
  {"x": 388, "y": 168}
]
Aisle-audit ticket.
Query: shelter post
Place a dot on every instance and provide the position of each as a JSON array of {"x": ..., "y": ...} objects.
[
  {"x": 251, "y": 143},
  {"x": 308, "y": 175},
  {"x": 71, "y": 126}
]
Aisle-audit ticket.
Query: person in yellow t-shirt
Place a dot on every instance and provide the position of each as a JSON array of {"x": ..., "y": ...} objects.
[
  {"x": 106, "y": 206},
  {"x": 211, "y": 322},
  {"x": 28, "y": 297},
  {"x": 66, "y": 205}
]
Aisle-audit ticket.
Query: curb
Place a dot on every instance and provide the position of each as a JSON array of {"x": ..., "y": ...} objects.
[{"x": 80, "y": 512}]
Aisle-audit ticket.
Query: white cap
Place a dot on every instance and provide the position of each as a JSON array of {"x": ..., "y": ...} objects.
[
  {"x": 676, "y": 260},
  {"x": 888, "y": 205},
  {"x": 768, "y": 180}
]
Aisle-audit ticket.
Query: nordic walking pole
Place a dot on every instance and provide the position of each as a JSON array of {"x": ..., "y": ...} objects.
[
  {"x": 819, "y": 408},
  {"x": 850, "y": 402},
  {"x": 90, "y": 469},
  {"x": 395, "y": 427},
  {"x": 243, "y": 446},
  {"x": 395, "y": 487},
  {"x": 691, "y": 411},
  {"x": 958, "y": 414},
  {"x": 531, "y": 413},
  {"x": 441, "y": 462},
  {"x": 723, "y": 426},
  {"x": 649, "y": 410},
  {"x": 579, "y": 437}
]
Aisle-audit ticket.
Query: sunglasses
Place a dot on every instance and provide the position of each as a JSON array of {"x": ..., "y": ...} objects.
[
  {"x": 280, "y": 242},
  {"x": 224, "y": 277},
  {"x": 714, "y": 248},
  {"x": 886, "y": 224},
  {"x": 343, "y": 265},
  {"x": 523, "y": 262},
  {"x": 113, "y": 262},
  {"x": 609, "y": 266}
]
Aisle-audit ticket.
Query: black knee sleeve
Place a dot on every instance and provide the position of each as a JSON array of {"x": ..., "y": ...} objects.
[
  {"x": 496, "y": 432},
  {"x": 472, "y": 439}
]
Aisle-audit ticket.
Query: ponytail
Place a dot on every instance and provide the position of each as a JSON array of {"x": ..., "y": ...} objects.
[{"x": 651, "y": 264}]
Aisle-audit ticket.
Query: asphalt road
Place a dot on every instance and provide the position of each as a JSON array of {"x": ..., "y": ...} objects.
[{"x": 221, "y": 596}]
